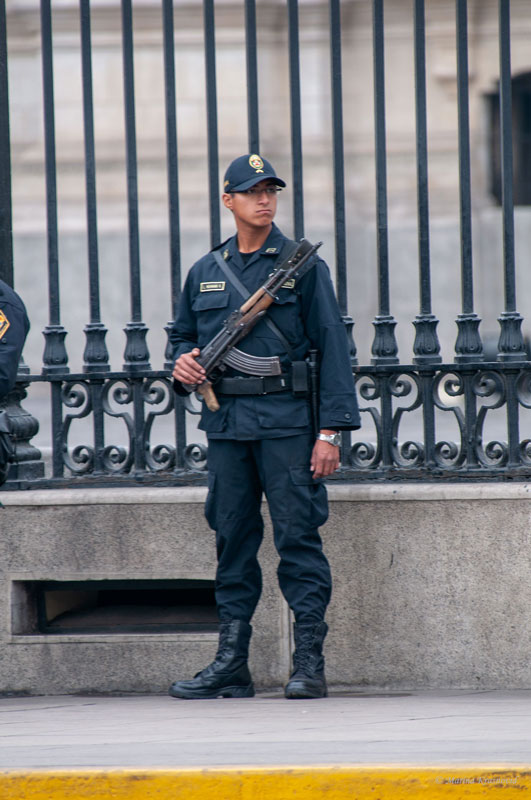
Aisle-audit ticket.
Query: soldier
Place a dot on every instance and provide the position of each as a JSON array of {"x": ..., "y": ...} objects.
[
  {"x": 14, "y": 327},
  {"x": 261, "y": 438}
]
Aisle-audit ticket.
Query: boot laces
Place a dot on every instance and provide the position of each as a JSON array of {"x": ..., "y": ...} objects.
[
  {"x": 302, "y": 653},
  {"x": 305, "y": 660}
]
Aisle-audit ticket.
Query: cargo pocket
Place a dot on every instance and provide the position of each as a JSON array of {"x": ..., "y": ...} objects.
[
  {"x": 310, "y": 492},
  {"x": 214, "y": 421},
  {"x": 211, "y": 311},
  {"x": 282, "y": 411},
  {"x": 302, "y": 476}
]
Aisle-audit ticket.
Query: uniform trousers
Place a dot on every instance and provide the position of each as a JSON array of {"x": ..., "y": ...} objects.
[{"x": 239, "y": 473}]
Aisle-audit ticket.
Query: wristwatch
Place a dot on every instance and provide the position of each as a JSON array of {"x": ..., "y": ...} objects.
[{"x": 331, "y": 438}]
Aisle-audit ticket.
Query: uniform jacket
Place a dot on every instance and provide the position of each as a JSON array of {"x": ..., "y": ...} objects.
[
  {"x": 308, "y": 316},
  {"x": 14, "y": 327}
]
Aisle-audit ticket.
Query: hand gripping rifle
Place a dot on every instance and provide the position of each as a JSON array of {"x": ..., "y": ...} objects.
[{"x": 220, "y": 351}]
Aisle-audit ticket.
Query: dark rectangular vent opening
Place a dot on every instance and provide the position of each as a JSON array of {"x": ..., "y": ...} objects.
[{"x": 127, "y": 606}]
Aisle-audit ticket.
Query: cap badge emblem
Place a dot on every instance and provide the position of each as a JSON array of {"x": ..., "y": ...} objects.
[{"x": 256, "y": 163}]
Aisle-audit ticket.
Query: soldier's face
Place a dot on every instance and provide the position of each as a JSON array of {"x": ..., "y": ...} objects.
[{"x": 255, "y": 208}]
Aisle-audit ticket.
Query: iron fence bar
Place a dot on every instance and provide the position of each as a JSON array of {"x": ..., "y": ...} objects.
[
  {"x": 172, "y": 155},
  {"x": 384, "y": 347},
  {"x": 511, "y": 344},
  {"x": 212, "y": 121},
  {"x": 139, "y": 420},
  {"x": 6, "y": 217},
  {"x": 173, "y": 200},
  {"x": 295, "y": 116},
  {"x": 171, "y": 143},
  {"x": 339, "y": 189},
  {"x": 98, "y": 416},
  {"x": 467, "y": 377},
  {"x": 426, "y": 346},
  {"x": 251, "y": 51},
  {"x": 513, "y": 419},
  {"x": 51, "y": 179},
  {"x": 468, "y": 346},
  {"x": 136, "y": 354},
  {"x": 338, "y": 155},
  {"x": 55, "y": 357},
  {"x": 96, "y": 355},
  {"x": 56, "y": 404},
  {"x": 386, "y": 410},
  {"x": 428, "y": 417}
]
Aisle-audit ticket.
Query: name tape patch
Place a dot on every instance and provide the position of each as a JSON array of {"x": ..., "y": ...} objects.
[
  {"x": 212, "y": 286},
  {"x": 4, "y": 323}
]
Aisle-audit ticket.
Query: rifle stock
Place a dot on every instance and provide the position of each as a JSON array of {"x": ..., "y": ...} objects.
[{"x": 207, "y": 393}]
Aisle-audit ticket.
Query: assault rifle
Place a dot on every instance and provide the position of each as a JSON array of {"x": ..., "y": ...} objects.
[{"x": 220, "y": 351}]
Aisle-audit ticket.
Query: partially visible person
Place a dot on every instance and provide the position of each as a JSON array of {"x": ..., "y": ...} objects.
[{"x": 14, "y": 327}]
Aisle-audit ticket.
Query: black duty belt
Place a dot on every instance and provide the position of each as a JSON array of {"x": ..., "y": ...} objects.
[{"x": 254, "y": 385}]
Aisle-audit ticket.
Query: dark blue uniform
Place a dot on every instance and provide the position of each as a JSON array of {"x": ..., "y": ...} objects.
[
  {"x": 14, "y": 327},
  {"x": 263, "y": 443}
]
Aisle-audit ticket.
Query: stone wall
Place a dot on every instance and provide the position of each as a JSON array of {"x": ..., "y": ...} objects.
[{"x": 431, "y": 588}]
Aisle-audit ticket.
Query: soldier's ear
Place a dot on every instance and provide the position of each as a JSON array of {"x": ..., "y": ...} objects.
[{"x": 227, "y": 200}]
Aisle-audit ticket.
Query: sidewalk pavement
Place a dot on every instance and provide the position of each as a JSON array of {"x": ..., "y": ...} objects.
[{"x": 447, "y": 736}]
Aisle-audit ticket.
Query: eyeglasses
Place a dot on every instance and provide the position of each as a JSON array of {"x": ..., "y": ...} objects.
[{"x": 254, "y": 191}]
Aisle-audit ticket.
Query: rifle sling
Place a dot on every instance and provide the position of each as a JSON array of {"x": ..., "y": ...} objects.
[{"x": 245, "y": 293}]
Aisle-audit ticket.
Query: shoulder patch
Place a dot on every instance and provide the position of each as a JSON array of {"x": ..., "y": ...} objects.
[
  {"x": 212, "y": 286},
  {"x": 4, "y": 323}
]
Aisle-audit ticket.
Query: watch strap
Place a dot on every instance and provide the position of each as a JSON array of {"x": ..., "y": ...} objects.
[{"x": 331, "y": 438}]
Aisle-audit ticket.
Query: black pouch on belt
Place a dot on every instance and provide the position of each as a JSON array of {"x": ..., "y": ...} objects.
[{"x": 300, "y": 385}]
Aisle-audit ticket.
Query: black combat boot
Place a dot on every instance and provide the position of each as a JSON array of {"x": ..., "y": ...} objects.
[
  {"x": 228, "y": 675},
  {"x": 307, "y": 680}
]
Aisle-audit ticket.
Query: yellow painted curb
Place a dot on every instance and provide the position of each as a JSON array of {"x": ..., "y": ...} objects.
[{"x": 268, "y": 783}]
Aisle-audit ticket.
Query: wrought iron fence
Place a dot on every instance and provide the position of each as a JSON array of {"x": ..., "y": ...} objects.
[{"x": 469, "y": 392}]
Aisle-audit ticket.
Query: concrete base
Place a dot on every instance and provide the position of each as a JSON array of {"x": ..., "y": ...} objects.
[{"x": 431, "y": 587}]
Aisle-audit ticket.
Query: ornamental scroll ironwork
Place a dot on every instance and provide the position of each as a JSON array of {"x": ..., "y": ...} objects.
[
  {"x": 460, "y": 421},
  {"x": 453, "y": 421},
  {"x": 120, "y": 428}
]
